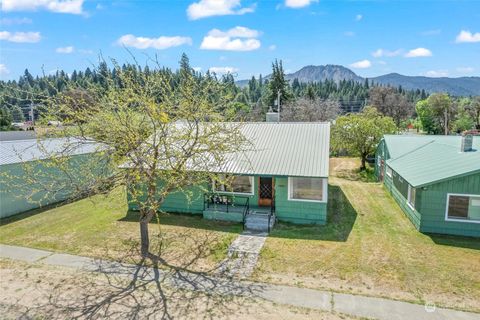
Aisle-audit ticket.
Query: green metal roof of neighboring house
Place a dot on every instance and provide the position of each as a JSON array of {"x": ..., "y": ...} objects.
[
  {"x": 423, "y": 160},
  {"x": 399, "y": 145}
]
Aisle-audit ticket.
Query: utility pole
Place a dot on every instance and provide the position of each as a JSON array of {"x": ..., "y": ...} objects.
[
  {"x": 32, "y": 117},
  {"x": 279, "y": 93},
  {"x": 446, "y": 121}
]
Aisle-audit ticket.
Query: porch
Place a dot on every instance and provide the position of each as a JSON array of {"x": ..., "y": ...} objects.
[{"x": 229, "y": 207}]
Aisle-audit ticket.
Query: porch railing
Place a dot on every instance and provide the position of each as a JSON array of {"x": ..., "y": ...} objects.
[
  {"x": 271, "y": 214},
  {"x": 226, "y": 202}
]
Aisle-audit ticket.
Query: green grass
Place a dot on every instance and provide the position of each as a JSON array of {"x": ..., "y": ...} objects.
[
  {"x": 102, "y": 227},
  {"x": 370, "y": 247}
]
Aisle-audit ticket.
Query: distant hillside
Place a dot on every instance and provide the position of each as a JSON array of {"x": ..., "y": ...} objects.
[
  {"x": 322, "y": 73},
  {"x": 463, "y": 86}
]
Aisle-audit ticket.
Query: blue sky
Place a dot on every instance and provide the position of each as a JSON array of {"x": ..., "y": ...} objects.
[{"x": 433, "y": 38}]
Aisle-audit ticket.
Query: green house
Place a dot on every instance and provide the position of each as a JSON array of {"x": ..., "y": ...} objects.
[
  {"x": 434, "y": 179},
  {"x": 284, "y": 177},
  {"x": 28, "y": 178}
]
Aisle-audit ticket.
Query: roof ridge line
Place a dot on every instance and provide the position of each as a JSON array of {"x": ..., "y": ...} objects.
[{"x": 412, "y": 151}]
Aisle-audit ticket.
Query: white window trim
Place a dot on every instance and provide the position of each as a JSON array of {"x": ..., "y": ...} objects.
[
  {"x": 389, "y": 174},
  {"x": 239, "y": 193},
  {"x": 409, "y": 197},
  {"x": 459, "y": 220},
  {"x": 324, "y": 190}
]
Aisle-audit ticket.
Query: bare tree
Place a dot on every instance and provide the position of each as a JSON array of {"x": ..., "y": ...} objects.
[
  {"x": 308, "y": 110},
  {"x": 155, "y": 133},
  {"x": 391, "y": 103}
]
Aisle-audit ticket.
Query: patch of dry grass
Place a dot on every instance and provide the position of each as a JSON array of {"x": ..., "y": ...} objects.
[
  {"x": 370, "y": 247},
  {"x": 101, "y": 227}
]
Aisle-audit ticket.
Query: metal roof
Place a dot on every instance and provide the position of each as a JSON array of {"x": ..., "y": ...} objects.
[
  {"x": 284, "y": 149},
  {"x": 17, "y": 151},
  {"x": 275, "y": 149},
  {"x": 423, "y": 160},
  {"x": 17, "y": 135}
]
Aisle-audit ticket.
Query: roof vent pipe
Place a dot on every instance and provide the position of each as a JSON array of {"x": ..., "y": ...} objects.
[{"x": 467, "y": 143}]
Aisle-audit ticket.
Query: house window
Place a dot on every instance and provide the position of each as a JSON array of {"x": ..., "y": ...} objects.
[
  {"x": 411, "y": 196},
  {"x": 307, "y": 189},
  {"x": 463, "y": 207},
  {"x": 400, "y": 185},
  {"x": 235, "y": 184},
  {"x": 389, "y": 171}
]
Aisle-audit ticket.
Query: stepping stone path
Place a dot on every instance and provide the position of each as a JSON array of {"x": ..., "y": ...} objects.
[{"x": 242, "y": 255}]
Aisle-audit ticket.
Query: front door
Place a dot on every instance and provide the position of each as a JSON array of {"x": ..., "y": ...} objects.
[{"x": 265, "y": 191}]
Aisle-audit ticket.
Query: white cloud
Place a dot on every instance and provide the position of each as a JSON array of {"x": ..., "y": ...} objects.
[
  {"x": 14, "y": 21},
  {"x": 197, "y": 69},
  {"x": 160, "y": 43},
  {"x": 209, "y": 8},
  {"x": 349, "y": 33},
  {"x": 3, "y": 70},
  {"x": 68, "y": 49},
  {"x": 467, "y": 36},
  {"x": 386, "y": 53},
  {"x": 59, "y": 6},
  {"x": 223, "y": 70},
  {"x": 298, "y": 3},
  {"x": 418, "y": 52},
  {"x": 362, "y": 64},
  {"x": 358, "y": 17},
  {"x": 30, "y": 37},
  {"x": 465, "y": 69},
  {"x": 272, "y": 47},
  {"x": 231, "y": 40},
  {"x": 437, "y": 73}
]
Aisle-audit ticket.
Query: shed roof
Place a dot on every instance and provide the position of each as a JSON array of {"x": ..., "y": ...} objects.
[
  {"x": 17, "y": 151},
  {"x": 423, "y": 160},
  {"x": 284, "y": 149}
]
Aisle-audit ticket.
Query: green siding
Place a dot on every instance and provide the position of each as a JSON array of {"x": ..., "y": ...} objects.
[
  {"x": 177, "y": 202},
  {"x": 18, "y": 196},
  {"x": 412, "y": 214},
  {"x": 434, "y": 202},
  {"x": 431, "y": 202},
  {"x": 301, "y": 212}
]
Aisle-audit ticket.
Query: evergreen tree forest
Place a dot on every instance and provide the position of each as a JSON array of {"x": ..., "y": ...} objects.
[{"x": 249, "y": 102}]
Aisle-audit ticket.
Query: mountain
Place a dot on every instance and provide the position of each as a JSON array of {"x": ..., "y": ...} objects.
[
  {"x": 322, "y": 73},
  {"x": 462, "y": 86}
]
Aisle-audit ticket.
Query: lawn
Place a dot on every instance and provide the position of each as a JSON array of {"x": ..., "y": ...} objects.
[
  {"x": 370, "y": 247},
  {"x": 102, "y": 227}
]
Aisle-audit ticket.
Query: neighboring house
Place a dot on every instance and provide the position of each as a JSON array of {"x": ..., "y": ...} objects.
[
  {"x": 435, "y": 180},
  {"x": 285, "y": 177},
  {"x": 28, "y": 179}
]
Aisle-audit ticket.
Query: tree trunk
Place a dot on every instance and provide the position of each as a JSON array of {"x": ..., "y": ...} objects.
[
  {"x": 364, "y": 160},
  {"x": 144, "y": 237}
]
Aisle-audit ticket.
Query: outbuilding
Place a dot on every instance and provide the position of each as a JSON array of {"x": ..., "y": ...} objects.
[
  {"x": 434, "y": 179},
  {"x": 28, "y": 177}
]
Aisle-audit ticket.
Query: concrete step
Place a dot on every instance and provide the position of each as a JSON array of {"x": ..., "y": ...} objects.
[{"x": 258, "y": 222}]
